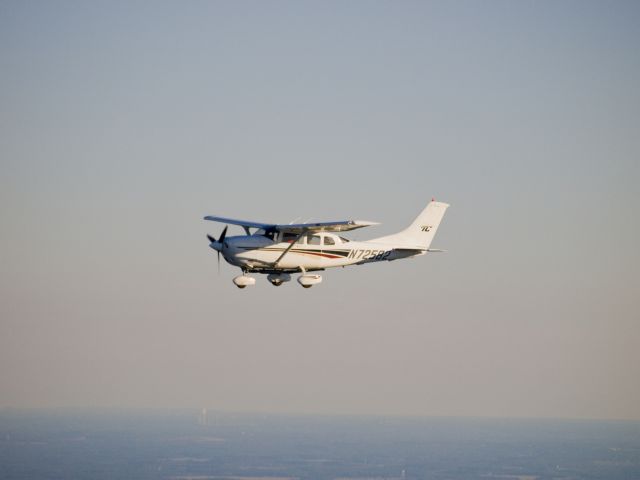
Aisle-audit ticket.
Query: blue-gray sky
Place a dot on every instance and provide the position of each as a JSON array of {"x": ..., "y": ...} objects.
[{"x": 123, "y": 124}]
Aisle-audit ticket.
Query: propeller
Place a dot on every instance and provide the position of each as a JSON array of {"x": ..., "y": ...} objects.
[
  {"x": 220, "y": 241},
  {"x": 223, "y": 234}
]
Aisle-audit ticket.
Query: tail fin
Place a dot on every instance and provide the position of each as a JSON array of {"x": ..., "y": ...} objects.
[{"x": 421, "y": 232}]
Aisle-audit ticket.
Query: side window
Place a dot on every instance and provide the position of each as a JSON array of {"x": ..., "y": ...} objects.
[
  {"x": 288, "y": 237},
  {"x": 329, "y": 241},
  {"x": 313, "y": 240}
]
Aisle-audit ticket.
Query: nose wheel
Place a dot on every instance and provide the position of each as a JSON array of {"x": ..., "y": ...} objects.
[{"x": 243, "y": 281}]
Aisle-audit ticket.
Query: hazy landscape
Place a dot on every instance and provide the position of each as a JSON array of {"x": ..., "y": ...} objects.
[{"x": 167, "y": 444}]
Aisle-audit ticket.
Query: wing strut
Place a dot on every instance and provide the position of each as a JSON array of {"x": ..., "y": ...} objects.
[{"x": 304, "y": 232}]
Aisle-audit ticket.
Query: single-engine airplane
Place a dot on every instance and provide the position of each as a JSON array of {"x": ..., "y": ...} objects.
[{"x": 279, "y": 250}]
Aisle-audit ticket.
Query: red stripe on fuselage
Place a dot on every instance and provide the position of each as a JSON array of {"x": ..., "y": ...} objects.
[
  {"x": 326, "y": 255},
  {"x": 307, "y": 252}
]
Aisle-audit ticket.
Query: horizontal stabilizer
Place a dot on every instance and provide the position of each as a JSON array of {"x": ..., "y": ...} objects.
[{"x": 411, "y": 251}]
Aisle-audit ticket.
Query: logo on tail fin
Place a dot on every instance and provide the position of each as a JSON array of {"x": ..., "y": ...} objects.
[{"x": 426, "y": 228}]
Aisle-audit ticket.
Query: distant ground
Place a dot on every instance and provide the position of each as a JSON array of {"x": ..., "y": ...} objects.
[{"x": 185, "y": 445}]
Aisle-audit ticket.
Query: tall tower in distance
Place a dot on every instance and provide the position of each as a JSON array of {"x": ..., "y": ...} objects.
[{"x": 203, "y": 419}]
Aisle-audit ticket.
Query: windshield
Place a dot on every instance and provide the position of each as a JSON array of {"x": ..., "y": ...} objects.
[{"x": 262, "y": 233}]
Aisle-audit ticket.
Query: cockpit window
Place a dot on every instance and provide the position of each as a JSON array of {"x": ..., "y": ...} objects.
[{"x": 329, "y": 241}]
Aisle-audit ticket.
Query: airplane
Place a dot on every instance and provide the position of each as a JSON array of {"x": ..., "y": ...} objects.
[{"x": 278, "y": 250}]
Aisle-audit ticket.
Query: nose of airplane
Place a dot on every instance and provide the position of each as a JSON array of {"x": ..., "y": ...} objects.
[
  {"x": 213, "y": 243},
  {"x": 218, "y": 245}
]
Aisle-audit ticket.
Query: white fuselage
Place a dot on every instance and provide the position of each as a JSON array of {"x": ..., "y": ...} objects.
[
  {"x": 316, "y": 251},
  {"x": 281, "y": 249}
]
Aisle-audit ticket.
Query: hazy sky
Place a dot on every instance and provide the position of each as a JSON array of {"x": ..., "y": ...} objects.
[{"x": 123, "y": 124}]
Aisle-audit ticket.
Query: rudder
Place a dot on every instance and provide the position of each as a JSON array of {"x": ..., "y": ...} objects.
[{"x": 422, "y": 230}]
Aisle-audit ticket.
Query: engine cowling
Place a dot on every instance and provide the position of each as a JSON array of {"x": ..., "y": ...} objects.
[{"x": 308, "y": 280}]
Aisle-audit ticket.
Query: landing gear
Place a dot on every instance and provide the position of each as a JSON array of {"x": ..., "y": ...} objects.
[
  {"x": 278, "y": 279},
  {"x": 244, "y": 280},
  {"x": 308, "y": 280}
]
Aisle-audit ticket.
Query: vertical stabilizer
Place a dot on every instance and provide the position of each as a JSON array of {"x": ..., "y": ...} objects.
[{"x": 421, "y": 232}]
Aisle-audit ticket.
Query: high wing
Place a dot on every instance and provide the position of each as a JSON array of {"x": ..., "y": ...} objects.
[
  {"x": 340, "y": 226},
  {"x": 298, "y": 228},
  {"x": 242, "y": 223}
]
